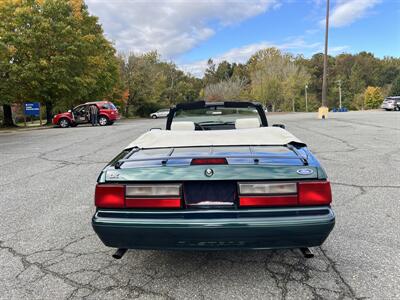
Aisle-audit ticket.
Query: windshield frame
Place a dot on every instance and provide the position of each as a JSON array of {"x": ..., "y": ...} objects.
[{"x": 226, "y": 104}]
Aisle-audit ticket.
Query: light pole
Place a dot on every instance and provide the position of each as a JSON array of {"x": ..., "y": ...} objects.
[
  {"x": 305, "y": 89},
  {"x": 340, "y": 93},
  {"x": 323, "y": 110}
]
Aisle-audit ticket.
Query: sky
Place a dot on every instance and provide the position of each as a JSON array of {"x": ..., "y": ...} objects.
[{"x": 189, "y": 32}]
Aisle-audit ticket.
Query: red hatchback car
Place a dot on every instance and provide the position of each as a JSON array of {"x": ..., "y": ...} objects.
[{"x": 108, "y": 113}]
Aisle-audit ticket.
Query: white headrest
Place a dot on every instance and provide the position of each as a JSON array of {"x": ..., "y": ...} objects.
[
  {"x": 183, "y": 125},
  {"x": 247, "y": 123}
]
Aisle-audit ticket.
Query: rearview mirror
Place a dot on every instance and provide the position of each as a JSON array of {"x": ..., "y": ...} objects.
[{"x": 279, "y": 125}]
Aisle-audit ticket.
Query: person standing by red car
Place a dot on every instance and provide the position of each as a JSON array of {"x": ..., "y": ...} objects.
[{"x": 93, "y": 113}]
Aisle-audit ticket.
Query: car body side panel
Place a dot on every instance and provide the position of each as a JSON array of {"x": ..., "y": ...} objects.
[
  {"x": 112, "y": 115},
  {"x": 58, "y": 117}
]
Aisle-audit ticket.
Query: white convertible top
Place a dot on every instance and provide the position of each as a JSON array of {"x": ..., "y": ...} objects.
[{"x": 274, "y": 136}]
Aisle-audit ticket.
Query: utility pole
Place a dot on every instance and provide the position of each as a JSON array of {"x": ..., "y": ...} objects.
[
  {"x": 324, "y": 83},
  {"x": 305, "y": 88},
  {"x": 293, "y": 105},
  {"x": 340, "y": 92},
  {"x": 323, "y": 110}
]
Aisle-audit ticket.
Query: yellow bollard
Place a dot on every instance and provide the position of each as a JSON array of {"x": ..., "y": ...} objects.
[{"x": 323, "y": 112}]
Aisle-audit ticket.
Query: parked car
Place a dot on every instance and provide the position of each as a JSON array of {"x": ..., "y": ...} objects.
[
  {"x": 161, "y": 113},
  {"x": 391, "y": 103},
  {"x": 219, "y": 177},
  {"x": 108, "y": 114}
]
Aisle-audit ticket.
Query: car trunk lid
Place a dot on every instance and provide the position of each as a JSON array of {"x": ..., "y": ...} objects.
[{"x": 219, "y": 172}]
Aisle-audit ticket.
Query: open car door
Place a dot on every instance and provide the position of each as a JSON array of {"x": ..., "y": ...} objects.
[{"x": 81, "y": 114}]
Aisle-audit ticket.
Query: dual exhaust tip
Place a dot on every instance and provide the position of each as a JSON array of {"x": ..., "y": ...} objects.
[{"x": 121, "y": 252}]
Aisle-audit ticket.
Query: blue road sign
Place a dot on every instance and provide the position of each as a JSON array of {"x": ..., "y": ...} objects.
[{"x": 32, "y": 109}]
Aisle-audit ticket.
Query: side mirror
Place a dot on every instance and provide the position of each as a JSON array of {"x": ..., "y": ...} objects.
[
  {"x": 69, "y": 110},
  {"x": 279, "y": 125}
]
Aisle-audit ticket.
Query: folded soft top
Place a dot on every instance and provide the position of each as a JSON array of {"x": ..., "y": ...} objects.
[{"x": 273, "y": 136}]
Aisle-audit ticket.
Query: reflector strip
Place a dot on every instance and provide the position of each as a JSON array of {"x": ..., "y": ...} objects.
[
  {"x": 290, "y": 200},
  {"x": 153, "y": 203},
  {"x": 209, "y": 161},
  {"x": 260, "y": 188},
  {"x": 156, "y": 190}
]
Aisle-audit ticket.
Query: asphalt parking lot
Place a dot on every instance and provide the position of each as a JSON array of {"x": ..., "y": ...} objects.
[{"x": 48, "y": 249}]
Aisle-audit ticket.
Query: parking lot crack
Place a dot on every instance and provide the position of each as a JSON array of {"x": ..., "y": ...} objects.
[
  {"x": 43, "y": 268},
  {"x": 363, "y": 187},
  {"x": 348, "y": 289},
  {"x": 58, "y": 167},
  {"x": 345, "y": 142}
]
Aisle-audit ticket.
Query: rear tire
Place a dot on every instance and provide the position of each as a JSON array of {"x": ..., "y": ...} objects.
[
  {"x": 64, "y": 123},
  {"x": 103, "y": 120},
  {"x": 154, "y": 117}
]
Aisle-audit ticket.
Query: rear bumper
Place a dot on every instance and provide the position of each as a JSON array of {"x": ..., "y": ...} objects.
[{"x": 214, "y": 229}]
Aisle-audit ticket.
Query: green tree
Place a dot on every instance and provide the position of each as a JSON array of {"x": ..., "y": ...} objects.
[
  {"x": 61, "y": 56},
  {"x": 389, "y": 70},
  {"x": 395, "y": 89},
  {"x": 277, "y": 79},
  {"x": 210, "y": 73},
  {"x": 145, "y": 82},
  {"x": 241, "y": 71},
  {"x": 8, "y": 92},
  {"x": 153, "y": 83},
  {"x": 224, "y": 71}
]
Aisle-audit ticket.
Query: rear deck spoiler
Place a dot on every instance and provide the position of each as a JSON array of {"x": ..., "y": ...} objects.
[{"x": 255, "y": 157}]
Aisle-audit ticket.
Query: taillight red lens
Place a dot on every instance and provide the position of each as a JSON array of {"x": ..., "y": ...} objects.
[
  {"x": 209, "y": 161},
  {"x": 109, "y": 196},
  {"x": 153, "y": 203},
  {"x": 254, "y": 201},
  {"x": 113, "y": 196},
  {"x": 314, "y": 193}
]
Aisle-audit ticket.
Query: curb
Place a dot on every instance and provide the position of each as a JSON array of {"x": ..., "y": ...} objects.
[{"x": 22, "y": 129}]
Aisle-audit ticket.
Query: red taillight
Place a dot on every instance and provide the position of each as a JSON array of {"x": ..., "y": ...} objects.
[
  {"x": 267, "y": 194},
  {"x": 132, "y": 196},
  {"x": 268, "y": 200},
  {"x": 109, "y": 196},
  {"x": 153, "y": 203},
  {"x": 209, "y": 161},
  {"x": 314, "y": 193}
]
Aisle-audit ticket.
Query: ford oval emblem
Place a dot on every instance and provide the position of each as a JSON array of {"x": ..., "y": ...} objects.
[
  {"x": 305, "y": 171},
  {"x": 209, "y": 172}
]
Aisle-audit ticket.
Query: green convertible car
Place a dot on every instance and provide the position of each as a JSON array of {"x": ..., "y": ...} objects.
[{"x": 218, "y": 177}]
